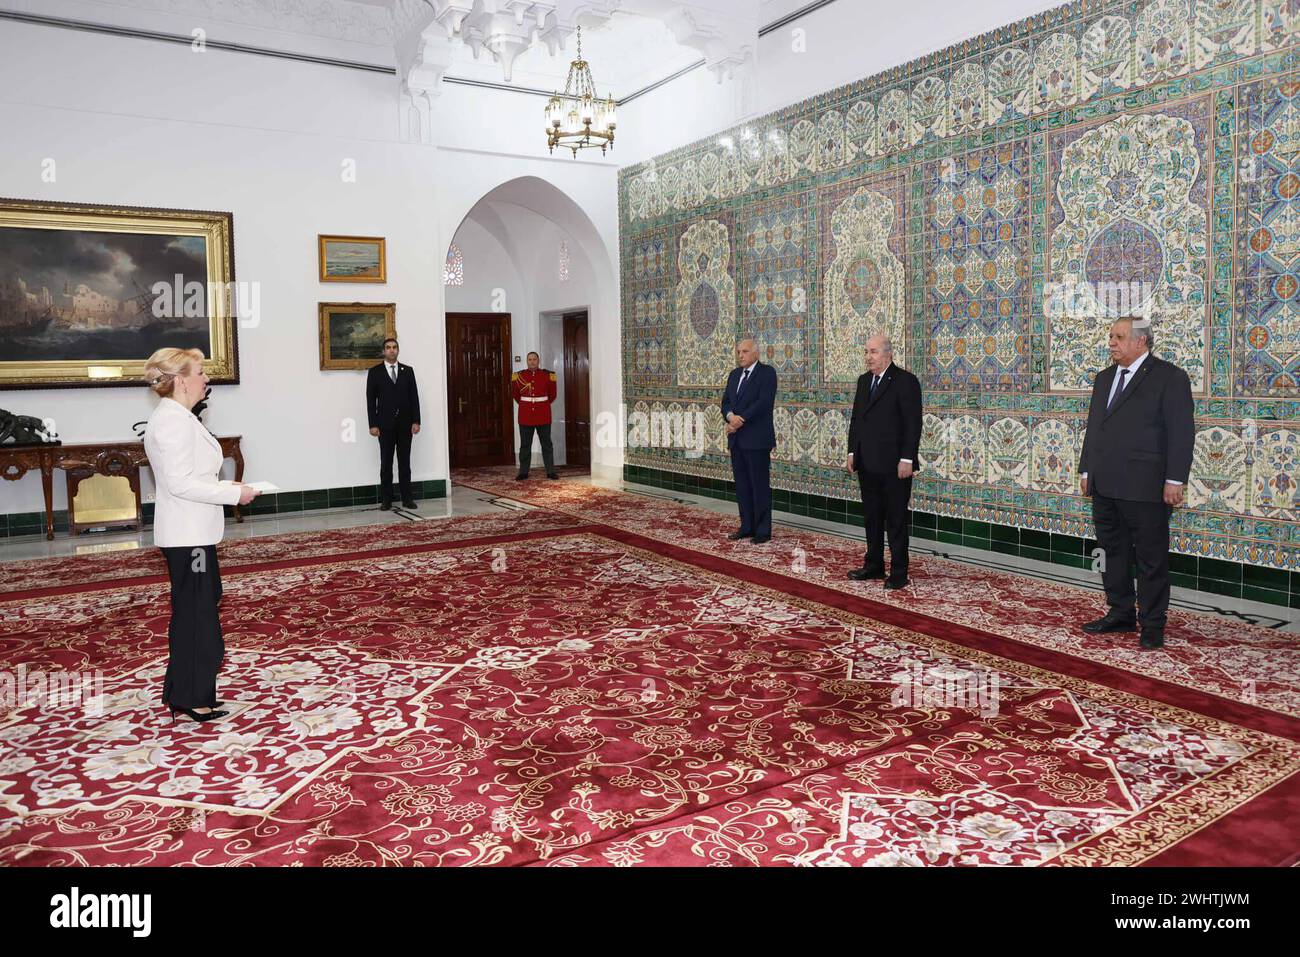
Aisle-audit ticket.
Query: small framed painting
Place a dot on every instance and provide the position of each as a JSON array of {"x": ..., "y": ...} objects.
[
  {"x": 352, "y": 259},
  {"x": 352, "y": 334}
]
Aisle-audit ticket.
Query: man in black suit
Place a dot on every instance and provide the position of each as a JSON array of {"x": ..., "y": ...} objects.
[
  {"x": 1136, "y": 459},
  {"x": 393, "y": 405},
  {"x": 747, "y": 406},
  {"x": 884, "y": 441}
]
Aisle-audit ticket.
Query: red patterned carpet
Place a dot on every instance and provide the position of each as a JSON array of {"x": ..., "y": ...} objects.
[
  {"x": 1233, "y": 659},
  {"x": 135, "y": 563},
  {"x": 547, "y": 688}
]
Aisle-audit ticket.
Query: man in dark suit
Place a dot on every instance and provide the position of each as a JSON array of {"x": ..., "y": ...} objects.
[
  {"x": 1136, "y": 458},
  {"x": 884, "y": 440},
  {"x": 393, "y": 405},
  {"x": 747, "y": 406}
]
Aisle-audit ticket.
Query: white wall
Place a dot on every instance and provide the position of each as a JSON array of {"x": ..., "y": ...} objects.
[
  {"x": 142, "y": 123},
  {"x": 850, "y": 40},
  {"x": 842, "y": 43},
  {"x": 693, "y": 106}
]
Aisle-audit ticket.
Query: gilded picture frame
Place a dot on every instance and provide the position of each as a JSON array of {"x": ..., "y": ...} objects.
[
  {"x": 89, "y": 291},
  {"x": 352, "y": 334},
  {"x": 352, "y": 258}
]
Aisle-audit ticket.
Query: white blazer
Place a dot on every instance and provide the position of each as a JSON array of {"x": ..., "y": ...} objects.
[{"x": 185, "y": 460}]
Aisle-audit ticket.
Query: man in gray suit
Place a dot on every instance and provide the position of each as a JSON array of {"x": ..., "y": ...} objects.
[{"x": 1137, "y": 455}]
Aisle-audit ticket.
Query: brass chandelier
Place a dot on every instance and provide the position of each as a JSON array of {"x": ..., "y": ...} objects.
[{"x": 578, "y": 118}]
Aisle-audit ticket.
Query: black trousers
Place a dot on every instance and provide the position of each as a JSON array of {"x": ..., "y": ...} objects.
[
  {"x": 1125, "y": 531},
  {"x": 399, "y": 439},
  {"x": 195, "y": 647},
  {"x": 526, "y": 447},
  {"x": 752, "y": 469},
  {"x": 884, "y": 511}
]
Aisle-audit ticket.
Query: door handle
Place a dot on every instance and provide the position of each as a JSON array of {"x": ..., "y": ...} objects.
[{"x": 460, "y": 406}]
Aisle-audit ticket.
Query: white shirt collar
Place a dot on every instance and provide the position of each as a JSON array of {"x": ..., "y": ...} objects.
[
  {"x": 750, "y": 366},
  {"x": 391, "y": 365}
]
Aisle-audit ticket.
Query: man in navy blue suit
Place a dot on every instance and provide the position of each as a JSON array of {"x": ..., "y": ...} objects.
[{"x": 747, "y": 407}]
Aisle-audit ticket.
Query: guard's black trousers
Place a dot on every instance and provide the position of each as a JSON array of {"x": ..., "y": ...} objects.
[
  {"x": 526, "y": 447},
  {"x": 194, "y": 642}
]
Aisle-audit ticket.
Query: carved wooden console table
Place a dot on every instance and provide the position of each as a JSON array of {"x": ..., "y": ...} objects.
[{"x": 104, "y": 458}]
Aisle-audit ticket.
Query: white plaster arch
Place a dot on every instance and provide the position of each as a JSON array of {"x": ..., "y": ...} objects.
[{"x": 581, "y": 200}]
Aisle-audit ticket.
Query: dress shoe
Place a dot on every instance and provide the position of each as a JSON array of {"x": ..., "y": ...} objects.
[
  {"x": 1111, "y": 621},
  {"x": 385, "y": 506},
  {"x": 409, "y": 505},
  {"x": 197, "y": 715},
  {"x": 866, "y": 572},
  {"x": 737, "y": 536},
  {"x": 552, "y": 475},
  {"x": 895, "y": 583},
  {"x": 521, "y": 476},
  {"x": 1152, "y": 638},
  {"x": 762, "y": 539}
]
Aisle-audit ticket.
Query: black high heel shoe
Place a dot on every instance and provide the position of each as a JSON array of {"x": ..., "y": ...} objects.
[{"x": 197, "y": 715}]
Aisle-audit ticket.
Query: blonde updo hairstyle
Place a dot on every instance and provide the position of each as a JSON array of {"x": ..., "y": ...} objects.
[{"x": 165, "y": 365}]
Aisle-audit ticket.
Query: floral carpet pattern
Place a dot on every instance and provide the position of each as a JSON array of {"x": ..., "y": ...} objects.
[
  {"x": 581, "y": 694},
  {"x": 133, "y": 562},
  {"x": 1233, "y": 659}
]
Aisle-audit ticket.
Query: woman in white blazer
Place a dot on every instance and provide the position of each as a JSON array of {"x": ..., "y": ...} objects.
[{"x": 188, "y": 521}]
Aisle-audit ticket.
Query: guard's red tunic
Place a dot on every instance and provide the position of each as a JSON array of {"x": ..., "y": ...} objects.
[{"x": 534, "y": 390}]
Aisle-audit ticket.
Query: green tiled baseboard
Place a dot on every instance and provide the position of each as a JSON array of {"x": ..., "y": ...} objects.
[
  {"x": 18, "y": 524},
  {"x": 345, "y": 497},
  {"x": 1269, "y": 585}
]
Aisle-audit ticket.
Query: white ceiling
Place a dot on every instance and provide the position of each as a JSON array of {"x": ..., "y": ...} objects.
[
  {"x": 626, "y": 53},
  {"x": 628, "y": 43}
]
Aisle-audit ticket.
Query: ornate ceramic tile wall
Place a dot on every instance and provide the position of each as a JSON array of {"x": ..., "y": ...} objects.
[{"x": 991, "y": 205}]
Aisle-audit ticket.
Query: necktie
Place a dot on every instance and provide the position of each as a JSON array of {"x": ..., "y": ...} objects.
[
  {"x": 875, "y": 381},
  {"x": 392, "y": 374},
  {"x": 743, "y": 376},
  {"x": 1119, "y": 391}
]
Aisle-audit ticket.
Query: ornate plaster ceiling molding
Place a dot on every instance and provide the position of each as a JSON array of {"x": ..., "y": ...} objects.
[
  {"x": 727, "y": 44},
  {"x": 506, "y": 28}
]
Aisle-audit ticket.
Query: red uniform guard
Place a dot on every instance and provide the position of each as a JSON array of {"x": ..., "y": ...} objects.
[{"x": 534, "y": 389}]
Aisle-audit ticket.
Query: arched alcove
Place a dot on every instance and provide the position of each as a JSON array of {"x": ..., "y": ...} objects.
[{"x": 513, "y": 229}]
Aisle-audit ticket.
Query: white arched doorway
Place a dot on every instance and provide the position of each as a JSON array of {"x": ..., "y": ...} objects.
[{"x": 513, "y": 240}]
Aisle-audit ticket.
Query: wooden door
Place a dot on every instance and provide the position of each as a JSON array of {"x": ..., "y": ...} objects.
[
  {"x": 577, "y": 391},
  {"x": 478, "y": 389}
]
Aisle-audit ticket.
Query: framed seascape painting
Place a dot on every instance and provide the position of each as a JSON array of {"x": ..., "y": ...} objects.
[
  {"x": 352, "y": 334},
  {"x": 89, "y": 292},
  {"x": 352, "y": 259}
]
